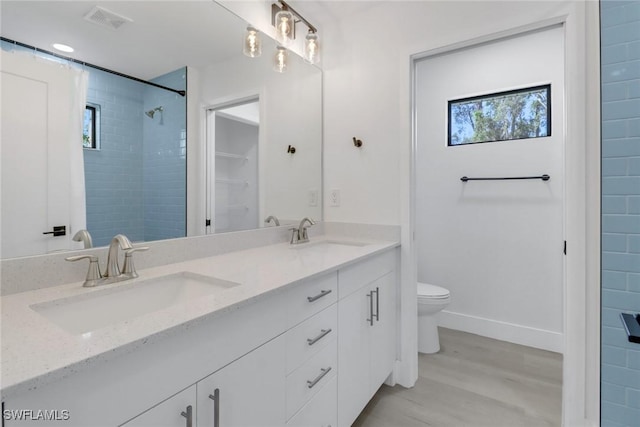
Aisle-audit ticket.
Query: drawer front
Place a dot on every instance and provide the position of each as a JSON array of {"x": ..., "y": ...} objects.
[
  {"x": 321, "y": 410},
  {"x": 306, "y": 381},
  {"x": 311, "y": 336},
  {"x": 307, "y": 299},
  {"x": 356, "y": 276}
]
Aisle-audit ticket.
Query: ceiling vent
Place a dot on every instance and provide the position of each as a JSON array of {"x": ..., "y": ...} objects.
[{"x": 106, "y": 18}]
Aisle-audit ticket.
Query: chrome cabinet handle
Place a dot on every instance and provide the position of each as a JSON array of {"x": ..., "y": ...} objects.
[
  {"x": 323, "y": 333},
  {"x": 216, "y": 407},
  {"x": 188, "y": 415},
  {"x": 370, "y": 319},
  {"x": 320, "y": 295},
  {"x": 377, "y": 304},
  {"x": 323, "y": 372}
]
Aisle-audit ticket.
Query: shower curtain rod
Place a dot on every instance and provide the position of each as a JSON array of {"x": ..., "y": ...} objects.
[{"x": 97, "y": 67}]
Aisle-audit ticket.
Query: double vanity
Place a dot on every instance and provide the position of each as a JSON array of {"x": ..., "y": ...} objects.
[{"x": 282, "y": 334}]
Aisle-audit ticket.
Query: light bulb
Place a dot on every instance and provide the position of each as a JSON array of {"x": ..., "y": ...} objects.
[
  {"x": 280, "y": 59},
  {"x": 252, "y": 43},
  {"x": 311, "y": 48},
  {"x": 284, "y": 27}
]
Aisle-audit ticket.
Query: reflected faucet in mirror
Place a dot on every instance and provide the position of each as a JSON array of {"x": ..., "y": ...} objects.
[
  {"x": 85, "y": 237},
  {"x": 273, "y": 218}
]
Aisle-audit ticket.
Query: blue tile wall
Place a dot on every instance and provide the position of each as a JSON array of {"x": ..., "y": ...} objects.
[
  {"x": 113, "y": 173},
  {"x": 620, "y": 57},
  {"x": 165, "y": 159}
]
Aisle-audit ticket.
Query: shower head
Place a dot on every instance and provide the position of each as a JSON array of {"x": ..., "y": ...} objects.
[{"x": 151, "y": 113}]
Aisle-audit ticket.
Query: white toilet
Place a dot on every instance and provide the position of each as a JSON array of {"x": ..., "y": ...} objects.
[{"x": 431, "y": 299}]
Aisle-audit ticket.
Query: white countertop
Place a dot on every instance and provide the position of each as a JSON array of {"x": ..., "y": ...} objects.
[{"x": 35, "y": 351}]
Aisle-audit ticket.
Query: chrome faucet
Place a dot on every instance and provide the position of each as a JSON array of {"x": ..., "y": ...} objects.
[
  {"x": 113, "y": 269},
  {"x": 272, "y": 218},
  {"x": 300, "y": 235},
  {"x": 113, "y": 273},
  {"x": 84, "y": 237}
]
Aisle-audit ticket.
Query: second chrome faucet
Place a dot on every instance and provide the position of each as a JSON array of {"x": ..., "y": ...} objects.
[
  {"x": 300, "y": 235},
  {"x": 113, "y": 273}
]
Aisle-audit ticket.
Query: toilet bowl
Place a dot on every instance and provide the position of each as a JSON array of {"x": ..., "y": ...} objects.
[{"x": 431, "y": 299}]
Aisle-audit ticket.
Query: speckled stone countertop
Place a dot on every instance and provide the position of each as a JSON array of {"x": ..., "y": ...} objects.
[{"x": 35, "y": 351}]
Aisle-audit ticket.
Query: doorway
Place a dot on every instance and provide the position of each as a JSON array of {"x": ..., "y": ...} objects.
[
  {"x": 232, "y": 166},
  {"x": 497, "y": 245}
]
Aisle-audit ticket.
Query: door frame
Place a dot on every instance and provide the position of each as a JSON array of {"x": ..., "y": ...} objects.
[
  {"x": 210, "y": 155},
  {"x": 580, "y": 391}
]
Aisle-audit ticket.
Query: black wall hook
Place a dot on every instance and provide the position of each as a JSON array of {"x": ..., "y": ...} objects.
[
  {"x": 291, "y": 149},
  {"x": 357, "y": 142}
]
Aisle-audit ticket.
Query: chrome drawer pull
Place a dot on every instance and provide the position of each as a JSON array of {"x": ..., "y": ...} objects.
[
  {"x": 323, "y": 333},
  {"x": 323, "y": 372},
  {"x": 320, "y": 295},
  {"x": 216, "y": 407},
  {"x": 188, "y": 415}
]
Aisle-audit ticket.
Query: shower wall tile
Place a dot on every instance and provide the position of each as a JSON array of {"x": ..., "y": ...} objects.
[
  {"x": 113, "y": 177},
  {"x": 620, "y": 369},
  {"x": 164, "y": 159}
]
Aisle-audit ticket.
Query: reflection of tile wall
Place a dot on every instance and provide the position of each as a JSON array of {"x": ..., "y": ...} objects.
[
  {"x": 164, "y": 159},
  {"x": 113, "y": 177},
  {"x": 620, "y": 53}
]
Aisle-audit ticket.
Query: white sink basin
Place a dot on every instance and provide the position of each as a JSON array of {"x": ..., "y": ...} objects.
[
  {"x": 88, "y": 312},
  {"x": 328, "y": 244}
]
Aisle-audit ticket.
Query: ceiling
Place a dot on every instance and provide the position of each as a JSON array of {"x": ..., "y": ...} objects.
[{"x": 163, "y": 35}]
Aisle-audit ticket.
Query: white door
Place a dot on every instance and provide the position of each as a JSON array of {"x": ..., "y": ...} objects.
[
  {"x": 496, "y": 245},
  {"x": 36, "y": 104}
]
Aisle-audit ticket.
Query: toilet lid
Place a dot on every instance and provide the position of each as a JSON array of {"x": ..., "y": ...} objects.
[{"x": 431, "y": 291}]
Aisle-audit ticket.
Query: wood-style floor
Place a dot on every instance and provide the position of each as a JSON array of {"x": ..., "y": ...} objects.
[{"x": 474, "y": 381}]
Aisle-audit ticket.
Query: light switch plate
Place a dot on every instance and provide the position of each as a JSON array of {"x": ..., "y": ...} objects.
[{"x": 334, "y": 198}]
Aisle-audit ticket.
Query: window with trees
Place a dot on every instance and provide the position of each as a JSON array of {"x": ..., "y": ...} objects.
[
  {"x": 502, "y": 116},
  {"x": 91, "y": 127}
]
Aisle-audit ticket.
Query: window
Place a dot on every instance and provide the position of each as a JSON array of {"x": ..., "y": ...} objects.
[
  {"x": 503, "y": 116},
  {"x": 91, "y": 127}
]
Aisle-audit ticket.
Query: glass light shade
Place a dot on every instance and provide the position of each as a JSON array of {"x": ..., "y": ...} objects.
[
  {"x": 284, "y": 27},
  {"x": 281, "y": 58},
  {"x": 252, "y": 43},
  {"x": 311, "y": 48}
]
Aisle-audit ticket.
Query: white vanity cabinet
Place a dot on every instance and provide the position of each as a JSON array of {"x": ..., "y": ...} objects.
[
  {"x": 366, "y": 343},
  {"x": 247, "y": 392},
  {"x": 309, "y": 355}
]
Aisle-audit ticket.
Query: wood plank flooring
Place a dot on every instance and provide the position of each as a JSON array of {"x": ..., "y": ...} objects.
[{"x": 474, "y": 381}]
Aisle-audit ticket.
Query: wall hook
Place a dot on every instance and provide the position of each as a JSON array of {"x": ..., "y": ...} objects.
[
  {"x": 291, "y": 149},
  {"x": 357, "y": 142}
]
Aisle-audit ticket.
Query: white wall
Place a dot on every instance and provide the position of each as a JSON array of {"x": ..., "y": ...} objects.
[{"x": 366, "y": 63}]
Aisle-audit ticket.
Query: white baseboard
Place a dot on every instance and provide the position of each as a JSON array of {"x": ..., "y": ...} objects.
[{"x": 504, "y": 331}]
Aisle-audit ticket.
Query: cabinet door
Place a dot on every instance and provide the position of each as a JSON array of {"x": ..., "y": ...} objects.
[
  {"x": 173, "y": 412},
  {"x": 250, "y": 391},
  {"x": 353, "y": 355},
  {"x": 383, "y": 342}
]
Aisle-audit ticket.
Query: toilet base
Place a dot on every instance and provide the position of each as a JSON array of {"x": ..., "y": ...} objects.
[{"x": 428, "y": 338}]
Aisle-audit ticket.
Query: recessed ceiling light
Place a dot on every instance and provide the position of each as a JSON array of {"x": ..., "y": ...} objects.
[{"x": 62, "y": 47}]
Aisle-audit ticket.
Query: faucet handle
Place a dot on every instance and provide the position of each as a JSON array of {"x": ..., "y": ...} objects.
[
  {"x": 129, "y": 268},
  {"x": 93, "y": 274}
]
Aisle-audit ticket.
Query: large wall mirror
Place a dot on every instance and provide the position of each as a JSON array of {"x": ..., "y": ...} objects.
[{"x": 217, "y": 142}]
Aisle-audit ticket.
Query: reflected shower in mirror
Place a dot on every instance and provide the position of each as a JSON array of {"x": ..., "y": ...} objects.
[{"x": 152, "y": 165}]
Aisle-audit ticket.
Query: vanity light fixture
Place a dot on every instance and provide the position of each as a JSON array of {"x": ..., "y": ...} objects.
[
  {"x": 311, "y": 47},
  {"x": 280, "y": 60},
  {"x": 285, "y": 18},
  {"x": 252, "y": 43},
  {"x": 62, "y": 47}
]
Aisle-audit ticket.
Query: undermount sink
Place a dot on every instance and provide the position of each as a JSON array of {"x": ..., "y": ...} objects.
[
  {"x": 328, "y": 244},
  {"x": 88, "y": 312}
]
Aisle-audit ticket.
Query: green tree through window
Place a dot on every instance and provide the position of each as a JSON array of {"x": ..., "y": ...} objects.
[{"x": 520, "y": 114}]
